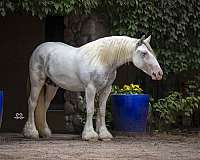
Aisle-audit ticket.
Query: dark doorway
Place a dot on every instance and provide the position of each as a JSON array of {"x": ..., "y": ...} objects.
[
  {"x": 19, "y": 36},
  {"x": 54, "y": 28},
  {"x": 54, "y": 32}
]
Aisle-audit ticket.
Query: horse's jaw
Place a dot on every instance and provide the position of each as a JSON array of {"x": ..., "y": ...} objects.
[{"x": 156, "y": 73}]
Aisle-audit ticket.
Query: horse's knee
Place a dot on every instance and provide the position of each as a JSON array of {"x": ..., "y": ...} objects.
[
  {"x": 90, "y": 112},
  {"x": 102, "y": 112}
]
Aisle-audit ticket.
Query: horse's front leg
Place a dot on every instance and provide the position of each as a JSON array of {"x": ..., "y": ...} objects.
[
  {"x": 88, "y": 131},
  {"x": 104, "y": 134}
]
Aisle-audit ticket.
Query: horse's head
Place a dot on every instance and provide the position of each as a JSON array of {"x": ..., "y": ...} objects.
[{"x": 144, "y": 58}]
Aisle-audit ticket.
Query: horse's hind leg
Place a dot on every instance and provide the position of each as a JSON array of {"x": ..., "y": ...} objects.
[
  {"x": 37, "y": 83},
  {"x": 40, "y": 113}
]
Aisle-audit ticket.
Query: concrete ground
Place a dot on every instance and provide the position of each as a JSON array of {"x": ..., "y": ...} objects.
[{"x": 71, "y": 147}]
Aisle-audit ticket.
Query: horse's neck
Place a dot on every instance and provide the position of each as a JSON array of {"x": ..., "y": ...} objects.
[
  {"x": 121, "y": 50},
  {"x": 114, "y": 51}
]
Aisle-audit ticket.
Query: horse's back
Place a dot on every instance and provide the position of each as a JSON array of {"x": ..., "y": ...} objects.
[
  {"x": 48, "y": 47},
  {"x": 45, "y": 50}
]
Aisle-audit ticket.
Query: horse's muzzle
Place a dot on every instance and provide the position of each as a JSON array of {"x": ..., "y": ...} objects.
[{"x": 157, "y": 75}]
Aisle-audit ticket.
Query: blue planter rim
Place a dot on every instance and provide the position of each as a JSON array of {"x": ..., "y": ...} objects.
[{"x": 147, "y": 95}]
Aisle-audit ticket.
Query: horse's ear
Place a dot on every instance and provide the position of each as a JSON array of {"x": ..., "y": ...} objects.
[
  {"x": 148, "y": 39},
  {"x": 140, "y": 41}
]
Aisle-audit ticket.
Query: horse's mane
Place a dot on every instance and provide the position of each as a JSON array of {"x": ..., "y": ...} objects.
[{"x": 110, "y": 50}]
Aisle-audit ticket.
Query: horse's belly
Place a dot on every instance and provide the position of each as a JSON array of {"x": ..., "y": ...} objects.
[
  {"x": 65, "y": 78},
  {"x": 61, "y": 68},
  {"x": 68, "y": 83},
  {"x": 72, "y": 87}
]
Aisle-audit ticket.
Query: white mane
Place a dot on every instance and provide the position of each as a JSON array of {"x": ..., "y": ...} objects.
[{"x": 110, "y": 50}]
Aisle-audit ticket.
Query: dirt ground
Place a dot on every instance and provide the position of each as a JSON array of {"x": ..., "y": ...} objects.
[{"x": 71, "y": 147}]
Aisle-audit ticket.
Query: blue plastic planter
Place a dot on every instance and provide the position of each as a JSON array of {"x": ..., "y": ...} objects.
[
  {"x": 129, "y": 112},
  {"x": 1, "y": 106}
]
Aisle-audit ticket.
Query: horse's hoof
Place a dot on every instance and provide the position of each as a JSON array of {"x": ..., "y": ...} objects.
[
  {"x": 30, "y": 131},
  {"x": 45, "y": 133},
  {"x": 32, "y": 134},
  {"x": 105, "y": 135},
  {"x": 90, "y": 135}
]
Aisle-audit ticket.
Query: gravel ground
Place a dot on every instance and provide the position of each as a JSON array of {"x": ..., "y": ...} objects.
[{"x": 71, "y": 147}]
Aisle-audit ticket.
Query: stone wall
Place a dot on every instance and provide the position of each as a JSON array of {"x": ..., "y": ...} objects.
[{"x": 83, "y": 29}]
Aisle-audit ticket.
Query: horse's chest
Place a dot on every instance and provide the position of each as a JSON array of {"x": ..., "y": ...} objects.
[{"x": 101, "y": 80}]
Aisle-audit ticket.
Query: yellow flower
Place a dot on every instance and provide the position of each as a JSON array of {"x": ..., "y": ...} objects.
[
  {"x": 126, "y": 87},
  {"x": 134, "y": 86},
  {"x": 137, "y": 86}
]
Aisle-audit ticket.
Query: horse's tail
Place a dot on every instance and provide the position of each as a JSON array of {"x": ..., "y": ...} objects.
[
  {"x": 40, "y": 111},
  {"x": 28, "y": 87}
]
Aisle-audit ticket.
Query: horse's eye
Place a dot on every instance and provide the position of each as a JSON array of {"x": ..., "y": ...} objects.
[{"x": 143, "y": 54}]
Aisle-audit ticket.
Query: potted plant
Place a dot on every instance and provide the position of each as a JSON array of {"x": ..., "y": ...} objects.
[{"x": 129, "y": 108}]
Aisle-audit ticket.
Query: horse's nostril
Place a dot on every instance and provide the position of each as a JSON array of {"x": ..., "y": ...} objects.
[{"x": 154, "y": 74}]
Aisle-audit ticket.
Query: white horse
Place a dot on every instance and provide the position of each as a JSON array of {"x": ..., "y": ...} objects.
[{"x": 90, "y": 68}]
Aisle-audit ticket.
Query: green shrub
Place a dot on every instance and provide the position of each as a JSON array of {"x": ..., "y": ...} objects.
[
  {"x": 166, "y": 112},
  {"x": 175, "y": 32}
]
